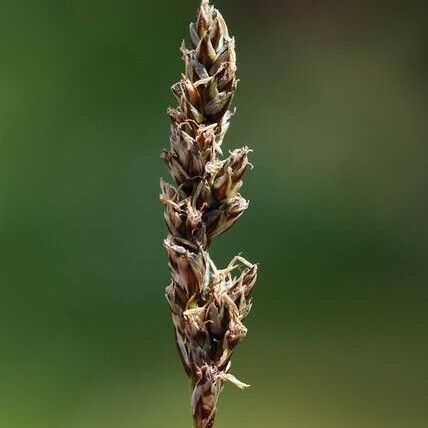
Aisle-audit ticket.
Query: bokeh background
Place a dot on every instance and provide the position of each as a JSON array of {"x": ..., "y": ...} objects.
[{"x": 333, "y": 99}]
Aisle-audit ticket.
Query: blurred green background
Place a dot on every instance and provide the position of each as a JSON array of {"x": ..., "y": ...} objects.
[{"x": 333, "y": 100}]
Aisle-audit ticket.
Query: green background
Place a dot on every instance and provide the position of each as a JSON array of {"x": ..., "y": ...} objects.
[{"x": 333, "y": 100}]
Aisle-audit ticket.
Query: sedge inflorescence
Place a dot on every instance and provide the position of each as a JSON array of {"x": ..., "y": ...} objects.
[{"x": 208, "y": 304}]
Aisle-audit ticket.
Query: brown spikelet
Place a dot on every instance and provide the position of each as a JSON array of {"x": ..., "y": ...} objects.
[{"x": 208, "y": 305}]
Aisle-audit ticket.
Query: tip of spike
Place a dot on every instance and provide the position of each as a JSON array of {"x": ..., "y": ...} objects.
[{"x": 205, "y": 4}]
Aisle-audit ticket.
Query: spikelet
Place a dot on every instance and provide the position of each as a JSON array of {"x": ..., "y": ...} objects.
[{"x": 208, "y": 305}]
